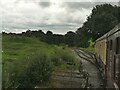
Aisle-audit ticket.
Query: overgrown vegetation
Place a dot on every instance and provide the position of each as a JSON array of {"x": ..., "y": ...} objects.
[
  {"x": 28, "y": 62},
  {"x": 88, "y": 49}
]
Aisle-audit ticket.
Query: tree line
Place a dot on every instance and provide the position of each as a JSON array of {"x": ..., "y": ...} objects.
[
  {"x": 49, "y": 37},
  {"x": 103, "y": 18}
]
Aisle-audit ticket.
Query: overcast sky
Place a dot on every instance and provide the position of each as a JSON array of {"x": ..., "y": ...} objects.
[{"x": 58, "y": 16}]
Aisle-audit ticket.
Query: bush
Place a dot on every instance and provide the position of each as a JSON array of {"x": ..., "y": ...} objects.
[
  {"x": 56, "y": 60},
  {"x": 30, "y": 71},
  {"x": 61, "y": 55}
]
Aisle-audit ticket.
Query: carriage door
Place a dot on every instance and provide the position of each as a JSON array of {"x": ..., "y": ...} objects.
[
  {"x": 107, "y": 58},
  {"x": 110, "y": 58}
]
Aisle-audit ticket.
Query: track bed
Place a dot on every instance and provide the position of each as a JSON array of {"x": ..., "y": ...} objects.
[{"x": 88, "y": 65}]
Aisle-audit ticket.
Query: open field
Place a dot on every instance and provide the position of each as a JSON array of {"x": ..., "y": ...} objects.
[{"x": 28, "y": 62}]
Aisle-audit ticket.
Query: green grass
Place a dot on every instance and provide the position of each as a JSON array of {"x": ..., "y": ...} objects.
[
  {"x": 89, "y": 49},
  {"x": 28, "y": 62}
]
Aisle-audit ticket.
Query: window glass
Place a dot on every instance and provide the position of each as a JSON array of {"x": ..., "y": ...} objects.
[
  {"x": 108, "y": 45},
  {"x": 118, "y": 45},
  {"x": 111, "y": 45}
]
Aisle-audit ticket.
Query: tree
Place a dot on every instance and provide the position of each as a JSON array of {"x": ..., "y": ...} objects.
[
  {"x": 49, "y": 37},
  {"x": 81, "y": 38},
  {"x": 70, "y": 38},
  {"x": 58, "y": 39},
  {"x": 103, "y": 18}
]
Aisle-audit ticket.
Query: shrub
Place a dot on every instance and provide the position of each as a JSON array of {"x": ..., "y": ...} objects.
[
  {"x": 31, "y": 70},
  {"x": 56, "y": 60}
]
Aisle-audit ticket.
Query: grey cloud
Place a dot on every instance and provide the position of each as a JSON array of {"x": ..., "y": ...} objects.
[
  {"x": 14, "y": 23},
  {"x": 59, "y": 21},
  {"x": 44, "y": 4},
  {"x": 23, "y": 21},
  {"x": 77, "y": 5},
  {"x": 112, "y": 3},
  {"x": 86, "y": 5},
  {"x": 56, "y": 28}
]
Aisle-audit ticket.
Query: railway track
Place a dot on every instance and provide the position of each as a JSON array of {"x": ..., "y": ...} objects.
[
  {"x": 85, "y": 55},
  {"x": 70, "y": 80},
  {"x": 88, "y": 65}
]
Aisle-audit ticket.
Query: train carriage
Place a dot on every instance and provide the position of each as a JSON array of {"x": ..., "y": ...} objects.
[
  {"x": 113, "y": 57},
  {"x": 100, "y": 48},
  {"x": 108, "y": 53}
]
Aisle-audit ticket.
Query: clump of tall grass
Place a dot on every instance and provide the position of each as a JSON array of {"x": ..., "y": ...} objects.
[
  {"x": 29, "y": 71},
  {"x": 62, "y": 55}
]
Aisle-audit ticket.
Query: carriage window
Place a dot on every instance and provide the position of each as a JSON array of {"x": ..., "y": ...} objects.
[
  {"x": 108, "y": 45},
  {"x": 111, "y": 45},
  {"x": 118, "y": 45}
]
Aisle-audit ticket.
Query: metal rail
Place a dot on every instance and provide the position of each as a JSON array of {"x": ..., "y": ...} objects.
[{"x": 88, "y": 59}]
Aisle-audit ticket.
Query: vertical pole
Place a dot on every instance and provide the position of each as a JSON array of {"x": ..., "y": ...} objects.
[{"x": 0, "y": 58}]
